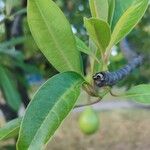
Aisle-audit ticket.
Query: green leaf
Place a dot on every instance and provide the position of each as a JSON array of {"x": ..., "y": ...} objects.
[
  {"x": 83, "y": 48},
  {"x": 140, "y": 93},
  {"x": 99, "y": 32},
  {"x": 9, "y": 89},
  {"x": 111, "y": 4},
  {"x": 120, "y": 8},
  {"x": 53, "y": 35},
  {"x": 97, "y": 65},
  {"x": 99, "y": 9},
  {"x": 49, "y": 107},
  {"x": 12, "y": 42},
  {"x": 11, "y": 53},
  {"x": 10, "y": 129},
  {"x": 127, "y": 22},
  {"x": 94, "y": 65}
]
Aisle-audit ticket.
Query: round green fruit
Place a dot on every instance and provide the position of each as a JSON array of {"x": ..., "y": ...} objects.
[{"x": 89, "y": 121}]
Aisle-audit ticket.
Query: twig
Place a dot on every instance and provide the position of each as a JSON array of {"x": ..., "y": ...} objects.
[
  {"x": 127, "y": 51},
  {"x": 17, "y": 31},
  {"x": 113, "y": 94},
  {"x": 8, "y": 112},
  {"x": 87, "y": 104}
]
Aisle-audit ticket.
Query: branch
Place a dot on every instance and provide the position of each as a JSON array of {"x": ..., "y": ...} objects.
[
  {"x": 16, "y": 31},
  {"x": 128, "y": 53},
  {"x": 87, "y": 104}
]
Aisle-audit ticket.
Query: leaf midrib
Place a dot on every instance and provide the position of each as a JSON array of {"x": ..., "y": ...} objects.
[
  {"x": 52, "y": 110},
  {"x": 135, "y": 95},
  {"x": 3, "y": 137},
  {"x": 96, "y": 11},
  {"x": 56, "y": 43},
  {"x": 116, "y": 32}
]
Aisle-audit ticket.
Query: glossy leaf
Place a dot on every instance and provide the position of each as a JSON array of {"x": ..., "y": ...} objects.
[
  {"x": 10, "y": 129},
  {"x": 82, "y": 47},
  {"x": 99, "y": 32},
  {"x": 49, "y": 107},
  {"x": 53, "y": 35},
  {"x": 129, "y": 19},
  {"x": 9, "y": 89},
  {"x": 139, "y": 93},
  {"x": 99, "y": 9},
  {"x": 120, "y": 8}
]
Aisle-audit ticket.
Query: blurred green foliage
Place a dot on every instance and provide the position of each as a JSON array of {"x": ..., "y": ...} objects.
[{"x": 75, "y": 10}]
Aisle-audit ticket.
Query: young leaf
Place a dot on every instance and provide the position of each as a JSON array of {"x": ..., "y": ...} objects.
[
  {"x": 94, "y": 65},
  {"x": 11, "y": 129},
  {"x": 49, "y": 107},
  {"x": 120, "y": 8},
  {"x": 139, "y": 93},
  {"x": 111, "y": 4},
  {"x": 53, "y": 35},
  {"x": 127, "y": 22},
  {"x": 83, "y": 48},
  {"x": 99, "y": 32},
  {"x": 8, "y": 87},
  {"x": 99, "y": 9}
]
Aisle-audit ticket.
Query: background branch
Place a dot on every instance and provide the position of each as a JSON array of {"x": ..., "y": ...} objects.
[{"x": 127, "y": 51}]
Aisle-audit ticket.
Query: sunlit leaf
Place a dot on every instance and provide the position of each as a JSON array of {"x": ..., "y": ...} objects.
[
  {"x": 53, "y": 35},
  {"x": 50, "y": 105},
  {"x": 120, "y": 8},
  {"x": 99, "y": 9},
  {"x": 129, "y": 19},
  {"x": 9, "y": 89},
  {"x": 99, "y": 32},
  {"x": 139, "y": 93}
]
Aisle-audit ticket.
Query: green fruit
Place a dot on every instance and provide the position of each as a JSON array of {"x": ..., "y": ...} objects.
[{"x": 89, "y": 121}]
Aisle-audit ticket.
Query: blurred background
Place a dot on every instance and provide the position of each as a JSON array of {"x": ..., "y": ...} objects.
[{"x": 23, "y": 68}]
